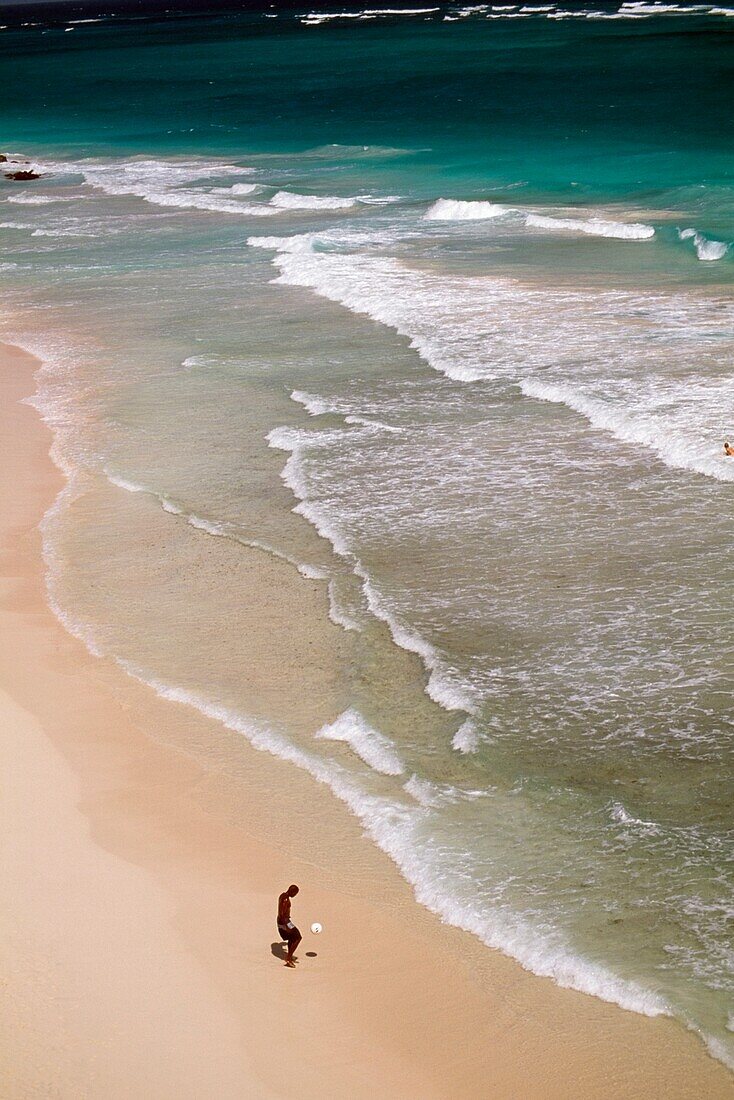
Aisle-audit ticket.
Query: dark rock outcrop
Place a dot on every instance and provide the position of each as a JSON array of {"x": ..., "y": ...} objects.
[{"x": 22, "y": 175}]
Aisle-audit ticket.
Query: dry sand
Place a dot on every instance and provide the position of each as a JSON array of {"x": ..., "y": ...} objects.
[{"x": 140, "y": 883}]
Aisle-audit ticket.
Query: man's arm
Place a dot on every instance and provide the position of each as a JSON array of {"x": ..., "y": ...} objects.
[{"x": 284, "y": 909}]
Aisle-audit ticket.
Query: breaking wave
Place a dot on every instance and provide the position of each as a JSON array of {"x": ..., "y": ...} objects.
[
  {"x": 176, "y": 184},
  {"x": 289, "y": 200},
  {"x": 372, "y": 747},
  {"x": 595, "y": 227},
  {"x": 641, "y": 426},
  {"x": 460, "y": 210},
  {"x": 502, "y": 331},
  {"x": 706, "y": 249}
]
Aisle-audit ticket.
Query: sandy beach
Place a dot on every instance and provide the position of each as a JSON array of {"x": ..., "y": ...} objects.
[{"x": 144, "y": 849}]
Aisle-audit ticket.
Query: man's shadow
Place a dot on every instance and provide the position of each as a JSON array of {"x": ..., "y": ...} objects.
[{"x": 279, "y": 950}]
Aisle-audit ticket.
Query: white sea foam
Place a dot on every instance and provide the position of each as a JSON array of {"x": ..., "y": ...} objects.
[
  {"x": 400, "y": 11},
  {"x": 200, "y": 361},
  {"x": 176, "y": 183},
  {"x": 458, "y": 210},
  {"x": 300, "y": 242},
  {"x": 372, "y": 425},
  {"x": 293, "y": 474},
  {"x": 660, "y": 8},
  {"x": 466, "y": 738},
  {"x": 706, "y": 249},
  {"x": 314, "y": 406},
  {"x": 439, "y": 795},
  {"x": 35, "y": 200},
  {"x": 38, "y": 231},
  {"x": 338, "y": 614},
  {"x": 625, "y": 11},
  {"x": 60, "y": 233},
  {"x": 424, "y": 792},
  {"x": 236, "y": 189},
  {"x": 596, "y": 227},
  {"x": 369, "y": 744},
  {"x": 290, "y": 200},
  {"x": 444, "y": 686},
  {"x": 638, "y": 426},
  {"x": 366, "y": 285},
  {"x": 490, "y": 329},
  {"x": 621, "y": 817},
  {"x": 369, "y": 13}
]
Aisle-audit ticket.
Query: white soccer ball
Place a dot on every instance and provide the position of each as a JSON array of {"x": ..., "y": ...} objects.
[{"x": 316, "y": 928}]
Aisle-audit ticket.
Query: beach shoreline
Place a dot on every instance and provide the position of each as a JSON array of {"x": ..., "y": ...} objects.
[{"x": 141, "y": 900}]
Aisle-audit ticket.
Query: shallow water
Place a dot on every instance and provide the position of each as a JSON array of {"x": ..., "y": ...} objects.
[{"x": 411, "y": 303}]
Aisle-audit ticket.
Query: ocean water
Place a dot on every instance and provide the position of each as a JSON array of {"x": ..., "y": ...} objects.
[{"x": 434, "y": 306}]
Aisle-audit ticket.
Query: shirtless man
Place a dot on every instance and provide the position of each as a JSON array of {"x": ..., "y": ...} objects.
[
  {"x": 729, "y": 450},
  {"x": 286, "y": 928}
]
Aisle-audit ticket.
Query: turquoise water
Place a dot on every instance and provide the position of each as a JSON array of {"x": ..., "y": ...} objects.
[{"x": 437, "y": 309}]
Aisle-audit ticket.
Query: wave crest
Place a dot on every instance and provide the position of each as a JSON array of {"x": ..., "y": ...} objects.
[
  {"x": 706, "y": 249},
  {"x": 594, "y": 227},
  {"x": 372, "y": 747},
  {"x": 459, "y": 210},
  {"x": 291, "y": 200}
]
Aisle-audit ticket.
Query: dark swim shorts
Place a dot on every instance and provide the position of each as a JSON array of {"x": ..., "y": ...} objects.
[{"x": 287, "y": 933}]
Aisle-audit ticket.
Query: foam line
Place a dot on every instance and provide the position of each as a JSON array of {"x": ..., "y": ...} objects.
[
  {"x": 631, "y": 428},
  {"x": 397, "y": 828},
  {"x": 369, "y": 744},
  {"x": 216, "y": 528},
  {"x": 595, "y": 227},
  {"x": 460, "y": 210},
  {"x": 443, "y": 685},
  {"x": 500, "y": 330},
  {"x": 289, "y": 200}
]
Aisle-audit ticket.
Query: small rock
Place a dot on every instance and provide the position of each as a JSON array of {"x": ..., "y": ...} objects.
[{"x": 24, "y": 175}]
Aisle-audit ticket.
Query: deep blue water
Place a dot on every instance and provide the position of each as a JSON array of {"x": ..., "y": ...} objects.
[{"x": 614, "y": 106}]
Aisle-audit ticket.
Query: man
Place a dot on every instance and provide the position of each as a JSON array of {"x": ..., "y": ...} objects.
[
  {"x": 286, "y": 928},
  {"x": 729, "y": 450}
]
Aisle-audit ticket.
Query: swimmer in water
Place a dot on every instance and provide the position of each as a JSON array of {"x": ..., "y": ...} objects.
[{"x": 729, "y": 450}]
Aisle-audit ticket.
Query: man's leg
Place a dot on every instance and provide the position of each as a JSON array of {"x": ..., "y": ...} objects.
[{"x": 293, "y": 942}]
